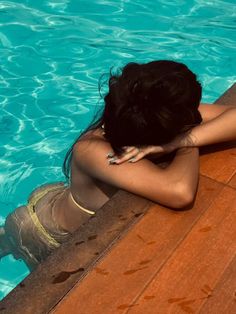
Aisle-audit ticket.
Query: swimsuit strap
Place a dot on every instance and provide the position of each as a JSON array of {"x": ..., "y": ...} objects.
[{"x": 91, "y": 212}]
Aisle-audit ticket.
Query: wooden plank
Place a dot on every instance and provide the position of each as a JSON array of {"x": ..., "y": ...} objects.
[
  {"x": 220, "y": 161},
  {"x": 190, "y": 276},
  {"x": 220, "y": 165},
  {"x": 232, "y": 182},
  {"x": 224, "y": 300},
  {"x": 124, "y": 272}
]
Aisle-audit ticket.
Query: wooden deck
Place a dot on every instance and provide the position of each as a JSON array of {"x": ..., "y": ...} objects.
[{"x": 171, "y": 262}]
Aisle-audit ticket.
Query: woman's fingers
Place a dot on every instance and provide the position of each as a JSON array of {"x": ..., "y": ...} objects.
[
  {"x": 131, "y": 154},
  {"x": 112, "y": 156},
  {"x": 138, "y": 157}
]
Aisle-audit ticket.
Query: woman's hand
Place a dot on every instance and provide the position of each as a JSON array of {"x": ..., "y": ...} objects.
[{"x": 134, "y": 154}]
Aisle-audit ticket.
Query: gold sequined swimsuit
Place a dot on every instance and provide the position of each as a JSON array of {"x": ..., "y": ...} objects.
[{"x": 32, "y": 231}]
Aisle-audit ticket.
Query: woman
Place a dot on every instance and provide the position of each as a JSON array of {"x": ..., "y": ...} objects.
[{"x": 150, "y": 109}]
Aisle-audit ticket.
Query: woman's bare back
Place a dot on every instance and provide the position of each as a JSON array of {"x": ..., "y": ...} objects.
[
  {"x": 87, "y": 191},
  {"x": 33, "y": 231}
]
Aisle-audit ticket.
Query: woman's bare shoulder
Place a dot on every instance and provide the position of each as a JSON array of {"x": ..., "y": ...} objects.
[
  {"x": 89, "y": 143},
  {"x": 143, "y": 178},
  {"x": 89, "y": 149}
]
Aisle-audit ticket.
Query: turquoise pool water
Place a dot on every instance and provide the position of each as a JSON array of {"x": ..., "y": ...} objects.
[{"x": 52, "y": 55}]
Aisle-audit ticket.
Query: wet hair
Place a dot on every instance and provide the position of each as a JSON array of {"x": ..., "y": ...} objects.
[{"x": 149, "y": 104}]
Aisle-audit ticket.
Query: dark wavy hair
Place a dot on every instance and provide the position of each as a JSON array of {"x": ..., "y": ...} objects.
[{"x": 148, "y": 104}]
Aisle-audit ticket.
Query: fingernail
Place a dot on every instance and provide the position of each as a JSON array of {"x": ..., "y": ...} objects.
[
  {"x": 112, "y": 160},
  {"x": 109, "y": 155},
  {"x": 131, "y": 160}
]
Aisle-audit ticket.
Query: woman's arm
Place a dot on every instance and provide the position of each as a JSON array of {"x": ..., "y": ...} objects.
[
  {"x": 212, "y": 111},
  {"x": 219, "y": 125},
  {"x": 185, "y": 168},
  {"x": 222, "y": 128},
  {"x": 174, "y": 186}
]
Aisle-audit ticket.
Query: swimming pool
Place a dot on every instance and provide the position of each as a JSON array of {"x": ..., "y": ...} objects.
[{"x": 52, "y": 55}]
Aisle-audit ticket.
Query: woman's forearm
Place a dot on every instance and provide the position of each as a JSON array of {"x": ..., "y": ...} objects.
[
  {"x": 220, "y": 129},
  {"x": 212, "y": 111}
]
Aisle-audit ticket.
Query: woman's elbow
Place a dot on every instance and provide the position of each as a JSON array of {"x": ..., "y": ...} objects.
[{"x": 184, "y": 198}]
